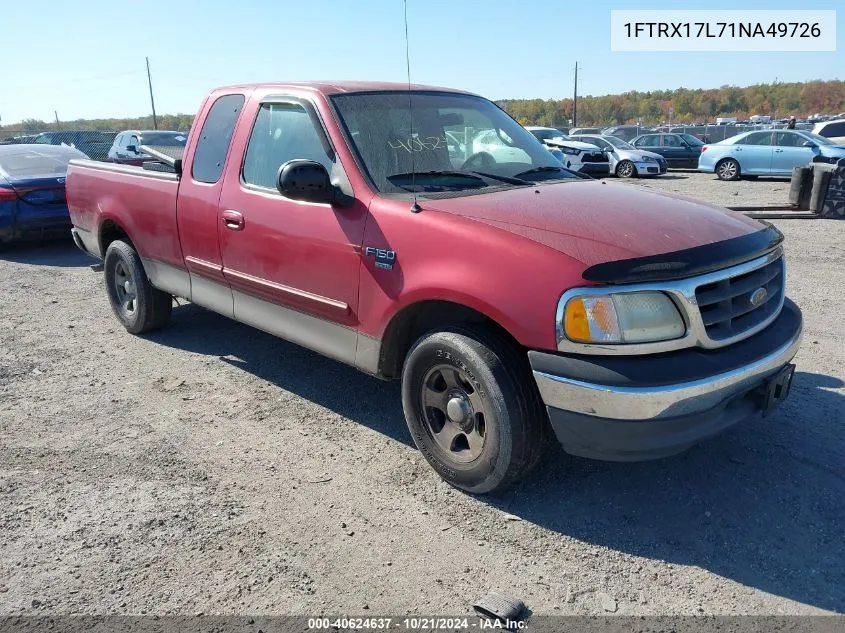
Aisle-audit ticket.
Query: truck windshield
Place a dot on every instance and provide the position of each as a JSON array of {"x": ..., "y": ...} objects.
[{"x": 423, "y": 141}]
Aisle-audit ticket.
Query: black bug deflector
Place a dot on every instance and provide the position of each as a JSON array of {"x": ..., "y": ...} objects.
[{"x": 687, "y": 262}]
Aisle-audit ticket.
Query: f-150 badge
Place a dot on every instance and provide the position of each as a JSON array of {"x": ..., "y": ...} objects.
[{"x": 384, "y": 258}]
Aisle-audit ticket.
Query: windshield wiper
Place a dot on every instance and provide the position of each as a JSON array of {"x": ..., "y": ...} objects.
[
  {"x": 511, "y": 180},
  {"x": 436, "y": 172},
  {"x": 539, "y": 170},
  {"x": 418, "y": 179}
]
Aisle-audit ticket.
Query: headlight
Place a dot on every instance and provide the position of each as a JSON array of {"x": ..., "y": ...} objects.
[
  {"x": 633, "y": 317},
  {"x": 649, "y": 159},
  {"x": 570, "y": 150}
]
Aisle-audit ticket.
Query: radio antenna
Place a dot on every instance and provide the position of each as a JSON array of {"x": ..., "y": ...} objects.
[{"x": 415, "y": 208}]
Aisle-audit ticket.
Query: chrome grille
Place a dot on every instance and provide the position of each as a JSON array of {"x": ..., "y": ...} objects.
[{"x": 726, "y": 305}]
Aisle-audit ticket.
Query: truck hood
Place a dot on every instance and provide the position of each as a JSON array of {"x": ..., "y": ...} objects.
[
  {"x": 559, "y": 142},
  {"x": 595, "y": 222}
]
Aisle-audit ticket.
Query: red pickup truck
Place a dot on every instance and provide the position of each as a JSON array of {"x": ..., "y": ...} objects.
[{"x": 512, "y": 297}]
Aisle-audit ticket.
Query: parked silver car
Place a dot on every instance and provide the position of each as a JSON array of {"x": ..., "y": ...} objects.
[{"x": 626, "y": 161}]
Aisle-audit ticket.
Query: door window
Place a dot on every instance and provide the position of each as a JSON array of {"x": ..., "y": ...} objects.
[
  {"x": 215, "y": 137},
  {"x": 670, "y": 140},
  {"x": 282, "y": 132},
  {"x": 650, "y": 140},
  {"x": 757, "y": 138}
]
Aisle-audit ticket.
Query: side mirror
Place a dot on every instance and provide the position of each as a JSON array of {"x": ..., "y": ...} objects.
[
  {"x": 306, "y": 180},
  {"x": 132, "y": 148},
  {"x": 809, "y": 144}
]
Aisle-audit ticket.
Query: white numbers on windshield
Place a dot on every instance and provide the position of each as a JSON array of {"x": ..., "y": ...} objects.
[{"x": 419, "y": 144}]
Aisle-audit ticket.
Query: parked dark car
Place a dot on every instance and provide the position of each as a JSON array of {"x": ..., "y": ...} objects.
[
  {"x": 626, "y": 132},
  {"x": 17, "y": 140},
  {"x": 32, "y": 191},
  {"x": 679, "y": 150},
  {"x": 126, "y": 148},
  {"x": 93, "y": 144}
]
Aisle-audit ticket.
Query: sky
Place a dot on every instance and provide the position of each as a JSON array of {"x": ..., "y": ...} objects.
[{"x": 85, "y": 59}]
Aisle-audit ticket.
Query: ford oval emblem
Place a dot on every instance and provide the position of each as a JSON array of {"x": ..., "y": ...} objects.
[{"x": 758, "y": 297}]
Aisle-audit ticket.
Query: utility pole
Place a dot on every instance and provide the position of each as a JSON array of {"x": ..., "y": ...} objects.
[
  {"x": 575, "y": 99},
  {"x": 152, "y": 101},
  {"x": 58, "y": 127}
]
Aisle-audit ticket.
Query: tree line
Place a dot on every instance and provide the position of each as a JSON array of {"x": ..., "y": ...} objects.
[
  {"x": 181, "y": 122},
  {"x": 646, "y": 108},
  {"x": 684, "y": 105}
]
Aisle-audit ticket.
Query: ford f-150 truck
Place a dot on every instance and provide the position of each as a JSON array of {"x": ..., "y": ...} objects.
[{"x": 511, "y": 297}]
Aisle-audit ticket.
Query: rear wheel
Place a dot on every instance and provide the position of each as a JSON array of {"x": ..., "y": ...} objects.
[
  {"x": 727, "y": 169},
  {"x": 135, "y": 302},
  {"x": 625, "y": 169},
  {"x": 473, "y": 409}
]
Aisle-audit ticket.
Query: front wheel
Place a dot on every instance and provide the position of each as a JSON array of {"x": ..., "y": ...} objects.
[
  {"x": 135, "y": 302},
  {"x": 472, "y": 409},
  {"x": 728, "y": 169},
  {"x": 625, "y": 169}
]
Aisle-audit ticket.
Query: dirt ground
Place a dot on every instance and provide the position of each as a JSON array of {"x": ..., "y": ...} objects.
[
  {"x": 212, "y": 468},
  {"x": 762, "y": 192}
]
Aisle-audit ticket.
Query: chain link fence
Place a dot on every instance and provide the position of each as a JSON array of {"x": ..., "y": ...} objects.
[
  {"x": 122, "y": 146},
  {"x": 94, "y": 144}
]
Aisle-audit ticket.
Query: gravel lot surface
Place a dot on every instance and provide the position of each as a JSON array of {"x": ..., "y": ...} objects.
[
  {"x": 212, "y": 468},
  {"x": 693, "y": 184}
]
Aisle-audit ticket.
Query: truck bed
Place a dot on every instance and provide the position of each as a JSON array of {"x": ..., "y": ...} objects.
[{"x": 141, "y": 201}]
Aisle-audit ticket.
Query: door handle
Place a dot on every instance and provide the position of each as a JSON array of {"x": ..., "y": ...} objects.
[
  {"x": 778, "y": 151},
  {"x": 233, "y": 220}
]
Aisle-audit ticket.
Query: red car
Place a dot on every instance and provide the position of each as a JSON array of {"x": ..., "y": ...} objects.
[{"x": 512, "y": 298}]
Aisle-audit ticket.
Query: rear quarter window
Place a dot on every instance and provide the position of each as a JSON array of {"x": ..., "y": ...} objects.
[
  {"x": 215, "y": 138},
  {"x": 834, "y": 129}
]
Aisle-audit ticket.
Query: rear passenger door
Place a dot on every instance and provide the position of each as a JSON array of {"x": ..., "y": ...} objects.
[
  {"x": 199, "y": 199},
  {"x": 675, "y": 150},
  {"x": 754, "y": 153},
  {"x": 293, "y": 266}
]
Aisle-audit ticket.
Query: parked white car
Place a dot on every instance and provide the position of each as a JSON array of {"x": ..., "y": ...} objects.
[
  {"x": 626, "y": 161},
  {"x": 578, "y": 156},
  {"x": 834, "y": 131}
]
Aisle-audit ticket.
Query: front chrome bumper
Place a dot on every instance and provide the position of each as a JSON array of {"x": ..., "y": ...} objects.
[
  {"x": 646, "y": 406},
  {"x": 644, "y": 403}
]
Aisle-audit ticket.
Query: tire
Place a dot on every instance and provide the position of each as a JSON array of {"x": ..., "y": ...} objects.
[
  {"x": 626, "y": 169},
  {"x": 136, "y": 303},
  {"x": 464, "y": 373},
  {"x": 727, "y": 169}
]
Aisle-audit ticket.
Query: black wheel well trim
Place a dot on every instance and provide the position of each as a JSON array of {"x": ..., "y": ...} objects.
[
  {"x": 414, "y": 320},
  {"x": 109, "y": 231}
]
